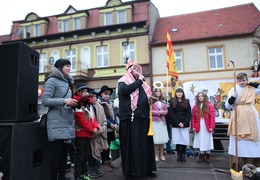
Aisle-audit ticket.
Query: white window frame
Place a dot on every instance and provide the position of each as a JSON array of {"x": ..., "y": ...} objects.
[
  {"x": 102, "y": 56},
  {"x": 128, "y": 51},
  {"x": 85, "y": 58},
  {"x": 121, "y": 17},
  {"x": 71, "y": 55},
  {"x": 26, "y": 32},
  {"x": 43, "y": 63},
  {"x": 179, "y": 60},
  {"x": 108, "y": 18},
  {"x": 56, "y": 55},
  {"x": 76, "y": 23},
  {"x": 37, "y": 30},
  {"x": 65, "y": 25},
  {"x": 216, "y": 58},
  {"x": 258, "y": 53}
]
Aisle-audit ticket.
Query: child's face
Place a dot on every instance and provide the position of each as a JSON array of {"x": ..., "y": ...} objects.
[
  {"x": 242, "y": 82},
  {"x": 105, "y": 95},
  {"x": 158, "y": 93},
  {"x": 179, "y": 94},
  {"x": 83, "y": 92},
  {"x": 200, "y": 97},
  {"x": 94, "y": 98}
]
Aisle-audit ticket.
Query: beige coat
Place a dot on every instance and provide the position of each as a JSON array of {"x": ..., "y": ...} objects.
[
  {"x": 246, "y": 122},
  {"x": 99, "y": 139}
]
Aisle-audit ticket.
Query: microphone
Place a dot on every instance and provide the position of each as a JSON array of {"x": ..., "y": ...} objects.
[{"x": 139, "y": 74}]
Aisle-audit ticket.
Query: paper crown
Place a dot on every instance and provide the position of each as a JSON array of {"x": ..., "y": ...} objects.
[{"x": 203, "y": 90}]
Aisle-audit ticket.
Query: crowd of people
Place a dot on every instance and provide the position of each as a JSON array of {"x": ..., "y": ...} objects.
[{"x": 85, "y": 122}]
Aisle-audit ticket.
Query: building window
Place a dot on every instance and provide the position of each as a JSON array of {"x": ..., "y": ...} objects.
[
  {"x": 56, "y": 55},
  {"x": 37, "y": 30},
  {"x": 102, "y": 56},
  {"x": 85, "y": 58},
  {"x": 128, "y": 51},
  {"x": 77, "y": 24},
  {"x": 71, "y": 56},
  {"x": 258, "y": 53},
  {"x": 65, "y": 25},
  {"x": 43, "y": 63},
  {"x": 178, "y": 58},
  {"x": 121, "y": 17},
  {"x": 26, "y": 32},
  {"x": 216, "y": 58},
  {"x": 108, "y": 19}
]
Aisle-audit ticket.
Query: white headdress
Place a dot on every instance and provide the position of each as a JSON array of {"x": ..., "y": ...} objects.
[{"x": 157, "y": 85}]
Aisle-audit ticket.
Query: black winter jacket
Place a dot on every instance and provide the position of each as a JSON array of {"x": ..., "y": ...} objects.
[
  {"x": 180, "y": 115},
  {"x": 124, "y": 91}
]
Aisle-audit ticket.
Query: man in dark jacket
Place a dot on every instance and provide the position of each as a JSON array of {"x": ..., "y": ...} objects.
[{"x": 137, "y": 150}]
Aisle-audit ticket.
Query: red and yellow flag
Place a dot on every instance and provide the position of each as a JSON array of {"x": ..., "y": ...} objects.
[{"x": 171, "y": 61}]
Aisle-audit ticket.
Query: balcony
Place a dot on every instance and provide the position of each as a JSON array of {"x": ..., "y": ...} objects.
[{"x": 79, "y": 71}]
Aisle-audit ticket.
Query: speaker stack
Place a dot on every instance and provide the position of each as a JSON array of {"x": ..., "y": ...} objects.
[{"x": 24, "y": 147}]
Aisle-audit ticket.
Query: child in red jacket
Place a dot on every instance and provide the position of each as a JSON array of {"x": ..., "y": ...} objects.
[
  {"x": 203, "y": 124},
  {"x": 85, "y": 127}
]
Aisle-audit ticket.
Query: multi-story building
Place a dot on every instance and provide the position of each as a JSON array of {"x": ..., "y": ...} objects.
[
  {"x": 97, "y": 41},
  {"x": 204, "y": 43}
]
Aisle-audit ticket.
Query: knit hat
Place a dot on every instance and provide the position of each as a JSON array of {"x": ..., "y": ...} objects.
[{"x": 60, "y": 63}]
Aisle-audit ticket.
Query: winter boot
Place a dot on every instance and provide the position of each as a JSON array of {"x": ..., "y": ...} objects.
[
  {"x": 98, "y": 171},
  {"x": 183, "y": 157},
  {"x": 183, "y": 153},
  {"x": 86, "y": 177},
  {"x": 178, "y": 153},
  {"x": 207, "y": 156},
  {"x": 92, "y": 173},
  {"x": 178, "y": 157},
  {"x": 106, "y": 167},
  {"x": 81, "y": 177},
  {"x": 201, "y": 158}
]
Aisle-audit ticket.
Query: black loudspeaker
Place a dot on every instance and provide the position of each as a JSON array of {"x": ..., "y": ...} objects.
[
  {"x": 25, "y": 151},
  {"x": 19, "y": 82}
]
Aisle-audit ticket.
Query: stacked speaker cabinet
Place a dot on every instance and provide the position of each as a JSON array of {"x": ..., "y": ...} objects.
[
  {"x": 24, "y": 147},
  {"x": 25, "y": 151},
  {"x": 19, "y": 82}
]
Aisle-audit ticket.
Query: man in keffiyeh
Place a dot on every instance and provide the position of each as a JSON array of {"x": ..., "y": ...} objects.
[{"x": 137, "y": 150}]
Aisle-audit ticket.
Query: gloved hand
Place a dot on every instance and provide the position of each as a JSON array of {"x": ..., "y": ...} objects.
[
  {"x": 231, "y": 100},
  {"x": 253, "y": 84}
]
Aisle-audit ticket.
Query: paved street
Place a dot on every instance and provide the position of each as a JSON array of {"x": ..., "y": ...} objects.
[{"x": 218, "y": 169}]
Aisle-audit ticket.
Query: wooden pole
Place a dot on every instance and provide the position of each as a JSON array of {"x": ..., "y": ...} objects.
[
  {"x": 235, "y": 114},
  {"x": 167, "y": 91}
]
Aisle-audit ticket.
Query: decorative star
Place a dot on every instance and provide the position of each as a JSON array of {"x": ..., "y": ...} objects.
[{"x": 192, "y": 88}]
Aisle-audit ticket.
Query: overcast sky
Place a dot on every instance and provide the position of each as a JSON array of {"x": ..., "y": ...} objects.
[{"x": 12, "y": 10}]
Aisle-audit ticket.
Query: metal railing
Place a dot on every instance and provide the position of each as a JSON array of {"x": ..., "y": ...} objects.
[{"x": 79, "y": 68}]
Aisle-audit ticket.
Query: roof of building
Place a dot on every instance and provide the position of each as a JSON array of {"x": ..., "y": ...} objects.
[
  {"x": 4, "y": 38},
  {"x": 225, "y": 22}
]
